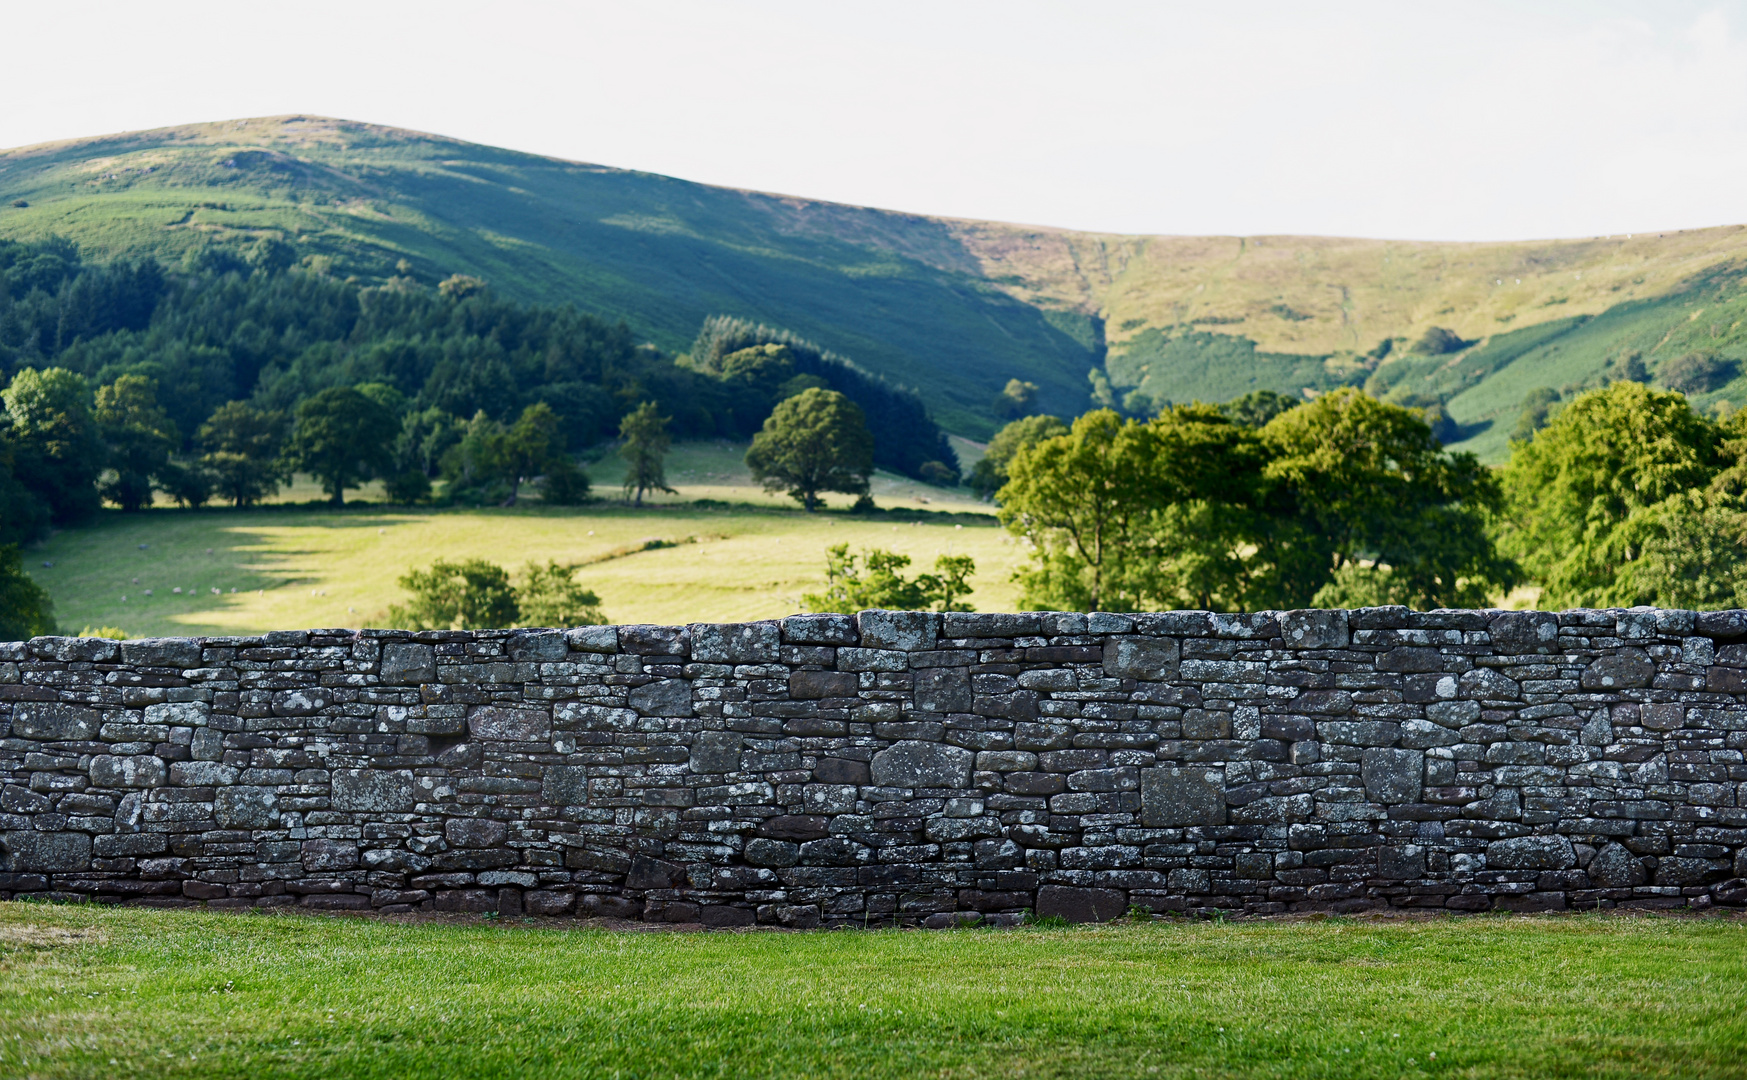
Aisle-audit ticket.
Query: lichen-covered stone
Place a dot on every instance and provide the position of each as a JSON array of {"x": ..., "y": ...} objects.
[
  {"x": 380, "y": 791},
  {"x": 913, "y": 764},
  {"x": 1176, "y": 797}
]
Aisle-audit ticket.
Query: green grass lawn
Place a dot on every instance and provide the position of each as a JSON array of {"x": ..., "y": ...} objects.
[
  {"x": 749, "y": 556},
  {"x": 120, "y": 993}
]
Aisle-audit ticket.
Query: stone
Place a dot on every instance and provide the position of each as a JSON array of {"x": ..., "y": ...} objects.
[
  {"x": 195, "y": 714},
  {"x": 663, "y": 697},
  {"x": 648, "y": 640},
  {"x": 761, "y": 851},
  {"x": 1629, "y": 667},
  {"x": 1486, "y": 684},
  {"x": 307, "y": 701},
  {"x": 1411, "y": 659},
  {"x": 130, "y": 771},
  {"x": 914, "y": 764},
  {"x": 509, "y": 725},
  {"x": 1392, "y": 776},
  {"x": 202, "y": 774},
  {"x": 382, "y": 791},
  {"x": 1173, "y": 797},
  {"x": 736, "y": 643},
  {"x": 1517, "y": 632},
  {"x": 794, "y": 827},
  {"x": 329, "y": 855},
  {"x": 716, "y": 752},
  {"x": 1147, "y": 659},
  {"x": 161, "y": 652},
  {"x": 842, "y": 771},
  {"x": 593, "y": 639},
  {"x": 1322, "y": 629},
  {"x": 1080, "y": 905},
  {"x": 408, "y": 664},
  {"x": 648, "y": 873},
  {"x": 475, "y": 832},
  {"x": 539, "y": 647},
  {"x": 819, "y": 630},
  {"x": 564, "y": 785},
  {"x": 1531, "y": 853},
  {"x": 818, "y": 685},
  {"x": 47, "y": 852},
  {"x": 905, "y": 631},
  {"x": 945, "y": 689},
  {"x": 52, "y": 722},
  {"x": 1614, "y": 867}
]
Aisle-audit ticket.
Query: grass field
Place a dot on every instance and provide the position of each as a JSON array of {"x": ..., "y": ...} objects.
[
  {"x": 88, "y": 992},
  {"x": 748, "y": 555}
]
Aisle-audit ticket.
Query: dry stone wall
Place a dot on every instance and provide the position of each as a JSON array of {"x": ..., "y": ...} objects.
[{"x": 892, "y": 767}]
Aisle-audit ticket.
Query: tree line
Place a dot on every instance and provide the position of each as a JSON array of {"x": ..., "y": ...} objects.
[
  {"x": 1627, "y": 496},
  {"x": 215, "y": 378}
]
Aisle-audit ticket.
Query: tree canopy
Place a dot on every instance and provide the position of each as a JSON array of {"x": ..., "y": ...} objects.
[{"x": 814, "y": 442}]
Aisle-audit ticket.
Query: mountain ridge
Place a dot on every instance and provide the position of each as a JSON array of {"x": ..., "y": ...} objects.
[{"x": 953, "y": 306}]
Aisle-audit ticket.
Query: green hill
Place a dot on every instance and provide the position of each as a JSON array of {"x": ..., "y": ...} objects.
[{"x": 952, "y": 307}]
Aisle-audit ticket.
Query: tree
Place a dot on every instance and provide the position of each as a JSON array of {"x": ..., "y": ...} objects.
[
  {"x": 343, "y": 438},
  {"x": 1018, "y": 398},
  {"x": 1539, "y": 406},
  {"x": 1256, "y": 408},
  {"x": 469, "y": 595},
  {"x": 1611, "y": 456},
  {"x": 1437, "y": 341},
  {"x": 644, "y": 431},
  {"x": 530, "y": 446},
  {"x": 1697, "y": 373},
  {"x": 1371, "y": 483},
  {"x": 550, "y": 596},
  {"x": 56, "y": 451},
  {"x": 25, "y": 609},
  {"x": 860, "y": 583},
  {"x": 1084, "y": 500},
  {"x": 815, "y": 441},
  {"x": 138, "y": 438},
  {"x": 242, "y": 445},
  {"x": 989, "y": 473}
]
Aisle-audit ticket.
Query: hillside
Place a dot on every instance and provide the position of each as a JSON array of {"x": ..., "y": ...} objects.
[{"x": 952, "y": 307}]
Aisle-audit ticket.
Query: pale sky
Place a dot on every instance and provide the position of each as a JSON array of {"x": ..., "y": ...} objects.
[{"x": 1467, "y": 121}]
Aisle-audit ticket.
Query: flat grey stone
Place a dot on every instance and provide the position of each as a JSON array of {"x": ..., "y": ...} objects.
[
  {"x": 1531, "y": 853},
  {"x": 1175, "y": 797},
  {"x": 161, "y": 652},
  {"x": 408, "y": 663},
  {"x": 593, "y": 639},
  {"x": 1392, "y": 776},
  {"x": 716, "y": 752},
  {"x": 47, "y": 852},
  {"x": 510, "y": 725},
  {"x": 564, "y": 785},
  {"x": 663, "y": 697},
  {"x": 906, "y": 631},
  {"x": 1516, "y": 632},
  {"x": 736, "y": 643},
  {"x": 130, "y": 771},
  {"x": 539, "y": 647},
  {"x": 942, "y": 690},
  {"x": 1315, "y": 629},
  {"x": 54, "y": 722},
  {"x": 1627, "y": 668},
  {"x": 1148, "y": 659},
  {"x": 1080, "y": 905},
  {"x": 1616, "y": 868},
  {"x": 385, "y": 791},
  {"x": 913, "y": 764},
  {"x": 246, "y": 808}
]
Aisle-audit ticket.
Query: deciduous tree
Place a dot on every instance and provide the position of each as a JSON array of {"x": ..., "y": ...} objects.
[
  {"x": 815, "y": 441},
  {"x": 343, "y": 438},
  {"x": 644, "y": 445}
]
